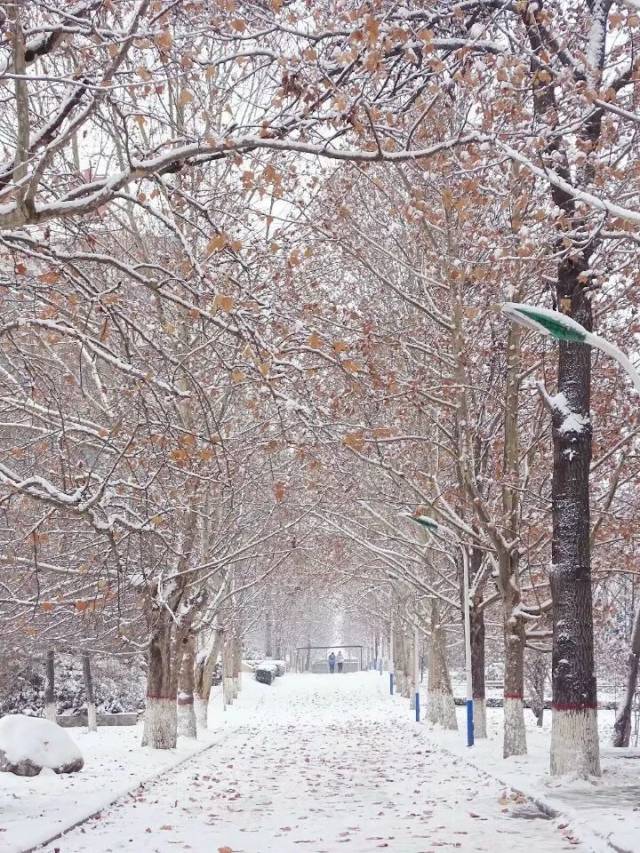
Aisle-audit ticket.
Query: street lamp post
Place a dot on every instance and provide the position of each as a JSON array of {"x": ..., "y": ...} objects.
[{"x": 448, "y": 535}]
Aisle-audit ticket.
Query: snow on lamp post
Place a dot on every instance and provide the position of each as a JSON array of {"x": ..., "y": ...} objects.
[
  {"x": 564, "y": 328},
  {"x": 448, "y": 535}
]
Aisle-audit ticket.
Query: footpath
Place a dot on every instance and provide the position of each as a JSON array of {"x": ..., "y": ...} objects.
[{"x": 604, "y": 812}]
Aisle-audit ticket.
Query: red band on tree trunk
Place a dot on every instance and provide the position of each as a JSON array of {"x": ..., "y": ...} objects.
[{"x": 513, "y": 696}]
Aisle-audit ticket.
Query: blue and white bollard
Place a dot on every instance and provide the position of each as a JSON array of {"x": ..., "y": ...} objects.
[
  {"x": 469, "y": 722},
  {"x": 417, "y": 706}
]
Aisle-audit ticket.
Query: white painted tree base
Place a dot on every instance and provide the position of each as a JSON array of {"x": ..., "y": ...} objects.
[
  {"x": 575, "y": 748},
  {"x": 441, "y": 709},
  {"x": 479, "y": 718},
  {"x": 186, "y": 718},
  {"x": 201, "y": 711},
  {"x": 160, "y": 724},
  {"x": 92, "y": 717},
  {"x": 50, "y": 712},
  {"x": 515, "y": 736},
  {"x": 228, "y": 691}
]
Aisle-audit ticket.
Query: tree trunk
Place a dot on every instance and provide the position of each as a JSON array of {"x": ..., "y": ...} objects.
[
  {"x": 186, "y": 713},
  {"x": 160, "y": 716},
  {"x": 515, "y": 738},
  {"x": 400, "y": 657},
  {"x": 622, "y": 727},
  {"x": 92, "y": 721},
  {"x": 227, "y": 671},
  {"x": 514, "y": 735},
  {"x": 268, "y": 631},
  {"x": 204, "y": 670},
  {"x": 237, "y": 666},
  {"x": 574, "y": 738},
  {"x": 478, "y": 672},
  {"x": 411, "y": 649},
  {"x": 476, "y": 618},
  {"x": 441, "y": 708},
  {"x": 50, "y": 687}
]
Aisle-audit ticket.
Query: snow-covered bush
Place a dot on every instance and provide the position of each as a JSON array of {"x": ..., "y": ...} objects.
[
  {"x": 27, "y": 744},
  {"x": 266, "y": 672}
]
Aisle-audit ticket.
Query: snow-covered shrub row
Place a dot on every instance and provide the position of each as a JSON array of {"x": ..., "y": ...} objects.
[{"x": 118, "y": 683}]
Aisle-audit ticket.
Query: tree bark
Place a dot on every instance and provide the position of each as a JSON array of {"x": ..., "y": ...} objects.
[
  {"x": 268, "y": 630},
  {"x": 441, "y": 708},
  {"x": 92, "y": 720},
  {"x": 537, "y": 677},
  {"x": 514, "y": 736},
  {"x": 187, "y": 726},
  {"x": 204, "y": 670},
  {"x": 478, "y": 671},
  {"x": 622, "y": 727},
  {"x": 50, "y": 687},
  {"x": 476, "y": 618},
  {"x": 514, "y": 733},
  {"x": 227, "y": 671},
  {"x": 405, "y": 646},
  {"x": 574, "y": 738},
  {"x": 160, "y": 716},
  {"x": 237, "y": 666}
]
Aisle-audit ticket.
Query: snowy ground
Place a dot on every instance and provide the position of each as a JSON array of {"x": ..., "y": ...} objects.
[
  {"x": 607, "y": 808},
  {"x": 311, "y": 763},
  {"x": 33, "y": 810}
]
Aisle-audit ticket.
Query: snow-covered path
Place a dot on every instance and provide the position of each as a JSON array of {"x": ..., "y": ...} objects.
[{"x": 313, "y": 763}]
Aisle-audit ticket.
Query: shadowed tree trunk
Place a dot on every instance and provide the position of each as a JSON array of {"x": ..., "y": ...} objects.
[
  {"x": 476, "y": 615},
  {"x": 50, "y": 687},
  {"x": 186, "y": 712},
  {"x": 622, "y": 727},
  {"x": 92, "y": 721},
  {"x": 574, "y": 733},
  {"x": 478, "y": 672},
  {"x": 574, "y": 740}
]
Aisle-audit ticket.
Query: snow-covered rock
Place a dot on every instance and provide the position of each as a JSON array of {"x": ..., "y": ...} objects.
[{"x": 27, "y": 744}]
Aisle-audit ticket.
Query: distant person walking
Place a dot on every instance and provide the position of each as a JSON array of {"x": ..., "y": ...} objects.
[
  {"x": 332, "y": 663},
  {"x": 340, "y": 660}
]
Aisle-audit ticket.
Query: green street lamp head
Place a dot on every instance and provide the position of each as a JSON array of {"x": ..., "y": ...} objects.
[
  {"x": 424, "y": 521},
  {"x": 545, "y": 321}
]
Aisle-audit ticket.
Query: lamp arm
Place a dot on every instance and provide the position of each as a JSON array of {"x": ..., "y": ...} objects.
[{"x": 617, "y": 354}]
